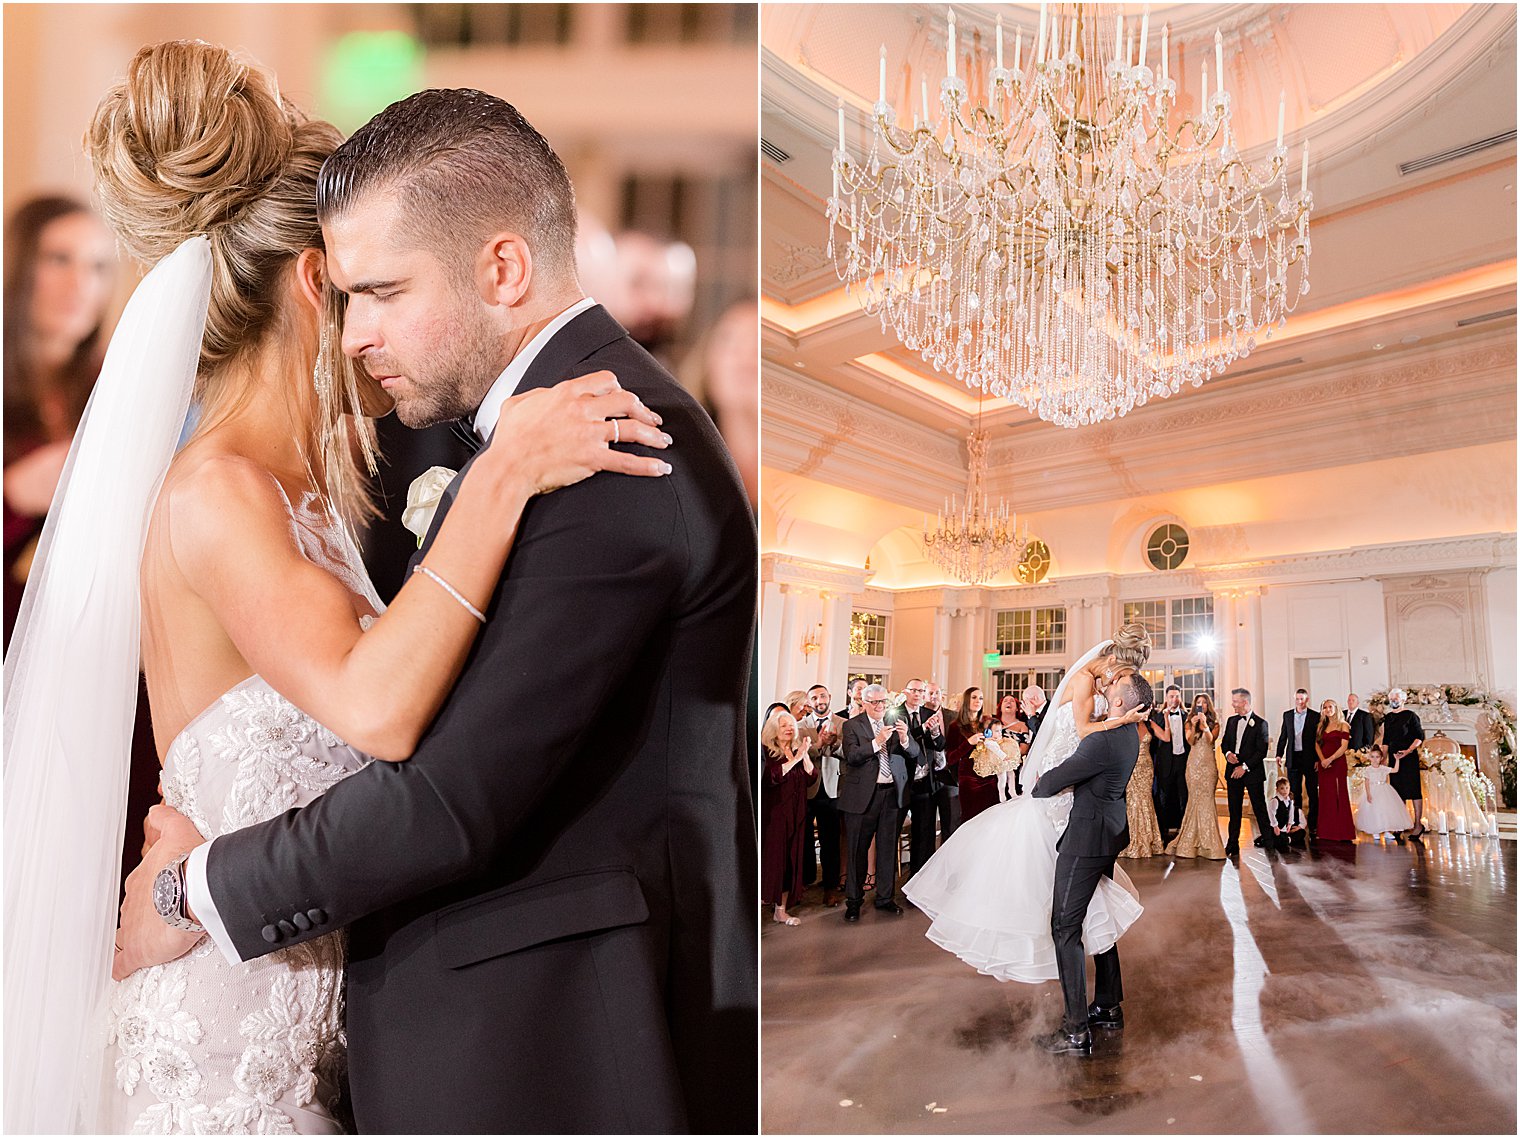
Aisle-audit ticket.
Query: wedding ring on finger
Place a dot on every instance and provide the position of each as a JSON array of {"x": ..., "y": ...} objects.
[{"x": 616, "y": 436}]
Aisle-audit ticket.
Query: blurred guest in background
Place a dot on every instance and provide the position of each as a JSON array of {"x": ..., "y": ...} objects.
[
  {"x": 658, "y": 289},
  {"x": 961, "y": 736},
  {"x": 723, "y": 373},
  {"x": 59, "y": 263},
  {"x": 1014, "y": 725}
]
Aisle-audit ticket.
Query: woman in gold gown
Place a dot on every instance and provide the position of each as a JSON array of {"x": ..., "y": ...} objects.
[
  {"x": 1144, "y": 831},
  {"x": 1199, "y": 835}
]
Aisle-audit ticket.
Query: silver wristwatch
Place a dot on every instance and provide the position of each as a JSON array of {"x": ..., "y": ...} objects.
[{"x": 169, "y": 896}]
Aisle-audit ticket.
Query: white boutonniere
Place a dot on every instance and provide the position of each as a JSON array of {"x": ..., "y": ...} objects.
[{"x": 422, "y": 498}]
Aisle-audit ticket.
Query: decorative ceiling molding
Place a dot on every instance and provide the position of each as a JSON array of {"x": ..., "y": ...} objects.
[
  {"x": 1481, "y": 551},
  {"x": 785, "y": 570}
]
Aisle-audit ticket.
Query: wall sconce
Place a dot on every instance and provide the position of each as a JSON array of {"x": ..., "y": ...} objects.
[{"x": 810, "y": 641}]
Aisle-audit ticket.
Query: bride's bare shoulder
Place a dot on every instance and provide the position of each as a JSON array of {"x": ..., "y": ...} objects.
[{"x": 212, "y": 496}]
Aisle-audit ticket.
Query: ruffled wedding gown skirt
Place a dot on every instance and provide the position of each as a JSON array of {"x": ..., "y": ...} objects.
[{"x": 988, "y": 890}]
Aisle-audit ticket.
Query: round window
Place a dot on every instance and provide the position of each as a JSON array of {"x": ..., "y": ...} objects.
[
  {"x": 1167, "y": 547},
  {"x": 1035, "y": 563}
]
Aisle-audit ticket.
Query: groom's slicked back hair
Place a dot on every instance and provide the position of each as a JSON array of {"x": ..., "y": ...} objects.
[
  {"x": 1141, "y": 689},
  {"x": 466, "y": 165}
]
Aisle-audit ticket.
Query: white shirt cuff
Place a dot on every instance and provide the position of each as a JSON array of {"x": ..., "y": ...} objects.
[{"x": 198, "y": 894}]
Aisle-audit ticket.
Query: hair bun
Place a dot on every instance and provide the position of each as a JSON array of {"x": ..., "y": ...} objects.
[
  {"x": 188, "y": 139},
  {"x": 1131, "y": 645}
]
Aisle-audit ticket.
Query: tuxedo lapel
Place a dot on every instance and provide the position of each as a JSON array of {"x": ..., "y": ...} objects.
[{"x": 585, "y": 335}]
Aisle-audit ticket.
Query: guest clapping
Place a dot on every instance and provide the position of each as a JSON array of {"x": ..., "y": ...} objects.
[{"x": 789, "y": 771}]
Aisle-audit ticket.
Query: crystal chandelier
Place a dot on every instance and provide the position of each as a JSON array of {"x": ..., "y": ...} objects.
[
  {"x": 1060, "y": 240},
  {"x": 975, "y": 541}
]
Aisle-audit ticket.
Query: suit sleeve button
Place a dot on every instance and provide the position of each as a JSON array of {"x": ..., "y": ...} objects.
[
  {"x": 301, "y": 921},
  {"x": 287, "y": 928},
  {"x": 318, "y": 916},
  {"x": 271, "y": 934}
]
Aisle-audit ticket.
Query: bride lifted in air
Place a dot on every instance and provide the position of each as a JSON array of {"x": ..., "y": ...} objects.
[{"x": 988, "y": 890}]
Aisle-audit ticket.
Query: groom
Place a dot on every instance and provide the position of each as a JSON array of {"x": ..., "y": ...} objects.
[
  {"x": 1098, "y": 828},
  {"x": 550, "y": 914}
]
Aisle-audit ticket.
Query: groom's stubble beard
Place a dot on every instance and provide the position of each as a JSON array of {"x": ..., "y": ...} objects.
[{"x": 465, "y": 360}]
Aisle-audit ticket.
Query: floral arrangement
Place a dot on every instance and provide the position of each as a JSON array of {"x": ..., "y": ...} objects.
[
  {"x": 1358, "y": 759},
  {"x": 1460, "y": 766},
  {"x": 1499, "y": 722}
]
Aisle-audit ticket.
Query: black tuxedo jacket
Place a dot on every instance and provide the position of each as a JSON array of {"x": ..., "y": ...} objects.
[
  {"x": 1362, "y": 729},
  {"x": 931, "y": 744},
  {"x": 1034, "y": 722},
  {"x": 857, "y": 777},
  {"x": 1253, "y": 744},
  {"x": 551, "y": 925},
  {"x": 1098, "y": 774},
  {"x": 1311, "y": 729}
]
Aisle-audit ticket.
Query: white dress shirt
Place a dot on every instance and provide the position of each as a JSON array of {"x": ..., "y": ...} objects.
[
  {"x": 1240, "y": 731},
  {"x": 1174, "y": 725},
  {"x": 197, "y": 888}
]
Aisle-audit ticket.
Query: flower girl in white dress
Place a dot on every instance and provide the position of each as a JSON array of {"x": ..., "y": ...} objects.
[{"x": 1379, "y": 809}]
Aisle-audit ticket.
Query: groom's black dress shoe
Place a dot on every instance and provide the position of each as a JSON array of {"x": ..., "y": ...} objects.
[
  {"x": 852, "y": 910},
  {"x": 1105, "y": 1017},
  {"x": 1231, "y": 851},
  {"x": 1063, "y": 1042},
  {"x": 890, "y": 907}
]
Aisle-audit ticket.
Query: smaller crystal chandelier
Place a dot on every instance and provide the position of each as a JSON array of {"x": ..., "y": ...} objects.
[{"x": 975, "y": 540}]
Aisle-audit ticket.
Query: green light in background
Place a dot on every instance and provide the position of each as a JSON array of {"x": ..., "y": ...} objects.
[
  {"x": 992, "y": 659},
  {"x": 365, "y": 72}
]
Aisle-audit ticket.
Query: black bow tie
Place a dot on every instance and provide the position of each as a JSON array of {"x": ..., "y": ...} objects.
[{"x": 464, "y": 431}]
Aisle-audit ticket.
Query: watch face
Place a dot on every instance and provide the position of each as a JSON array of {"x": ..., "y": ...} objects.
[{"x": 166, "y": 894}]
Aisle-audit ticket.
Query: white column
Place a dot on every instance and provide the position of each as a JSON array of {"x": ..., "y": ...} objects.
[
  {"x": 1226, "y": 639},
  {"x": 834, "y": 657},
  {"x": 772, "y": 604},
  {"x": 787, "y": 654},
  {"x": 943, "y": 669}
]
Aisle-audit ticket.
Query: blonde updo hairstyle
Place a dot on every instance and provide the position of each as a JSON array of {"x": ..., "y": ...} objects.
[
  {"x": 1131, "y": 647},
  {"x": 194, "y": 142}
]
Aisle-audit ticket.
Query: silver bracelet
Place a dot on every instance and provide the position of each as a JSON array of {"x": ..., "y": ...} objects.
[{"x": 453, "y": 592}]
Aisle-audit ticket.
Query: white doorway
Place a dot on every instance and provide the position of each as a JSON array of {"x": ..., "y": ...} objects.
[{"x": 1324, "y": 677}]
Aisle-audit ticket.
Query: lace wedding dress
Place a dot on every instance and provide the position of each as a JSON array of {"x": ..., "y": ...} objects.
[
  {"x": 988, "y": 889},
  {"x": 201, "y": 1046}
]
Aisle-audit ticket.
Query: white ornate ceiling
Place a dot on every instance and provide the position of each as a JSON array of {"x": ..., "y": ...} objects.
[{"x": 1410, "y": 323}]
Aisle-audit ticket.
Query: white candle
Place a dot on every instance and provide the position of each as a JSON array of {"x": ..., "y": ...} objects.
[
  {"x": 1145, "y": 30},
  {"x": 1071, "y": 47},
  {"x": 841, "y": 124},
  {"x": 881, "y": 83},
  {"x": 1129, "y": 49},
  {"x": 1282, "y": 110},
  {"x": 1040, "y": 51},
  {"x": 1000, "y": 43},
  {"x": 1164, "y": 56},
  {"x": 1219, "y": 60},
  {"x": 1203, "y": 90},
  {"x": 1303, "y": 182},
  {"x": 1018, "y": 49},
  {"x": 1119, "y": 36},
  {"x": 950, "y": 47},
  {"x": 925, "y": 89}
]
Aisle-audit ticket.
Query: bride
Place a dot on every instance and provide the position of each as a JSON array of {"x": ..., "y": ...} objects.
[
  {"x": 230, "y": 573},
  {"x": 987, "y": 891}
]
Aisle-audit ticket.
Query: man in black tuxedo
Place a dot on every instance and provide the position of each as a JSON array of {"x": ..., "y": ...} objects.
[
  {"x": 1360, "y": 721},
  {"x": 852, "y": 705},
  {"x": 1244, "y": 742},
  {"x": 1169, "y": 757},
  {"x": 1097, "y": 829},
  {"x": 877, "y": 756},
  {"x": 1295, "y": 744},
  {"x": 928, "y": 785},
  {"x": 550, "y": 917},
  {"x": 1034, "y": 707}
]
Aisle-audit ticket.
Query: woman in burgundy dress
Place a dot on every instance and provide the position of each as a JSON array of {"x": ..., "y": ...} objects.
[
  {"x": 976, "y": 791},
  {"x": 1334, "y": 736},
  {"x": 59, "y": 260},
  {"x": 789, "y": 771}
]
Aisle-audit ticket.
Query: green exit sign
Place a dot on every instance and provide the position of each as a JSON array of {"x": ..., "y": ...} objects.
[{"x": 992, "y": 659}]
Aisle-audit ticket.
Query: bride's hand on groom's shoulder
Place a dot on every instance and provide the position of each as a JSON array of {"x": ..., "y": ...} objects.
[
  {"x": 144, "y": 938},
  {"x": 557, "y": 436}
]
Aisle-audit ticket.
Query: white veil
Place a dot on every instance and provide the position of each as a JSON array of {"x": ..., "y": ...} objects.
[
  {"x": 70, "y": 698},
  {"x": 1034, "y": 762}
]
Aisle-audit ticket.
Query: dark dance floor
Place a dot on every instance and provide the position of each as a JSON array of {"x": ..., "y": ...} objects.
[{"x": 1368, "y": 991}]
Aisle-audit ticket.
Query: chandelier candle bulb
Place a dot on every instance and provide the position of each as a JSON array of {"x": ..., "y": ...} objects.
[
  {"x": 1018, "y": 49},
  {"x": 881, "y": 82},
  {"x": 1040, "y": 53},
  {"x": 1145, "y": 31},
  {"x": 1219, "y": 61},
  {"x": 1119, "y": 36},
  {"x": 924, "y": 89},
  {"x": 1203, "y": 89},
  {"x": 950, "y": 47},
  {"x": 1071, "y": 47},
  {"x": 1303, "y": 180},
  {"x": 1282, "y": 112},
  {"x": 841, "y": 126},
  {"x": 1000, "y": 43},
  {"x": 1165, "y": 58}
]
